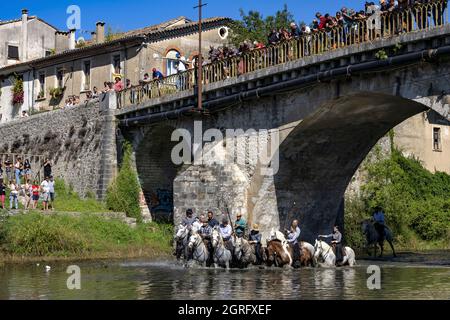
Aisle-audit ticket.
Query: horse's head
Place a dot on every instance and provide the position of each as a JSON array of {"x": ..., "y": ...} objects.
[
  {"x": 193, "y": 240},
  {"x": 182, "y": 232},
  {"x": 216, "y": 238},
  {"x": 318, "y": 249},
  {"x": 238, "y": 243},
  {"x": 271, "y": 252},
  {"x": 365, "y": 226}
]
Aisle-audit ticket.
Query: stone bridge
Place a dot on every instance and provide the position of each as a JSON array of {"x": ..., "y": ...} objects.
[{"x": 326, "y": 110}]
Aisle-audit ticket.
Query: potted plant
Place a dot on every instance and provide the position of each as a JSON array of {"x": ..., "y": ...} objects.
[
  {"x": 41, "y": 94},
  {"x": 56, "y": 93}
]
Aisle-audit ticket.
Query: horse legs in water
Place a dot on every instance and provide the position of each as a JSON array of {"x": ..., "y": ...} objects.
[
  {"x": 381, "y": 249},
  {"x": 392, "y": 247}
]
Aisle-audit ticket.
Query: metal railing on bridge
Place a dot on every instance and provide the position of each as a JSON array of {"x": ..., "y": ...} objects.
[{"x": 381, "y": 25}]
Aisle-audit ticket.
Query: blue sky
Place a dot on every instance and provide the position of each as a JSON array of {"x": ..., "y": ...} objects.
[{"x": 125, "y": 15}]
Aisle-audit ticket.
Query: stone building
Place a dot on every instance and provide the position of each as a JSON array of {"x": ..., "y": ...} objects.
[{"x": 76, "y": 68}]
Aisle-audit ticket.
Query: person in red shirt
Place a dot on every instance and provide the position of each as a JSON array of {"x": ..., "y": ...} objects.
[
  {"x": 35, "y": 194},
  {"x": 322, "y": 21},
  {"x": 118, "y": 86}
]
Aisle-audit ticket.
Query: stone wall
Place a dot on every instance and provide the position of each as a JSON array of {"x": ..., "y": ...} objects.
[{"x": 80, "y": 142}]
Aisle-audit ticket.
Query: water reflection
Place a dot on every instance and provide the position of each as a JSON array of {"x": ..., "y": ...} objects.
[{"x": 168, "y": 281}]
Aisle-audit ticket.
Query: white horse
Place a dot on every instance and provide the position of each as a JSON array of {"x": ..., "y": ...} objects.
[
  {"x": 244, "y": 252},
  {"x": 200, "y": 251},
  {"x": 325, "y": 251},
  {"x": 182, "y": 241},
  {"x": 222, "y": 256}
]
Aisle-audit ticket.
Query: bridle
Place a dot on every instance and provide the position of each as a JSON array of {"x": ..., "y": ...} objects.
[{"x": 196, "y": 245}]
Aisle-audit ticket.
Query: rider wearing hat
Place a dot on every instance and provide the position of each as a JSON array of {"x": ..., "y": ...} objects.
[
  {"x": 205, "y": 232},
  {"x": 255, "y": 239},
  {"x": 226, "y": 232},
  {"x": 240, "y": 226}
]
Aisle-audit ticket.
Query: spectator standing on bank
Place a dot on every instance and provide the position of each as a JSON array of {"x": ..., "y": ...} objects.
[
  {"x": 47, "y": 168},
  {"x": 13, "y": 196},
  {"x": 2, "y": 194}
]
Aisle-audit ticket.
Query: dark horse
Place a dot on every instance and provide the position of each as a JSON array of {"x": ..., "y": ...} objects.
[{"x": 374, "y": 238}]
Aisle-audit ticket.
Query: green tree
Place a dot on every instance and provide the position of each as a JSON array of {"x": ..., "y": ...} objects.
[
  {"x": 123, "y": 194},
  {"x": 253, "y": 26}
]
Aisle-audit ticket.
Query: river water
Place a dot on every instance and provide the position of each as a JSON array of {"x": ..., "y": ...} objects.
[{"x": 412, "y": 277}]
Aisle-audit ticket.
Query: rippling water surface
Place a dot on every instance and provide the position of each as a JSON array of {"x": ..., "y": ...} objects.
[{"x": 166, "y": 280}]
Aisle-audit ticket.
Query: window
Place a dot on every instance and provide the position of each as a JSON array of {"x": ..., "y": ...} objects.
[
  {"x": 86, "y": 76},
  {"x": 13, "y": 52},
  {"x": 60, "y": 78},
  {"x": 116, "y": 64},
  {"x": 41, "y": 88},
  {"x": 437, "y": 142},
  {"x": 172, "y": 62}
]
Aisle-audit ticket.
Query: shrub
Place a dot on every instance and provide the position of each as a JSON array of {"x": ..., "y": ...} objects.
[
  {"x": 415, "y": 201},
  {"x": 124, "y": 192}
]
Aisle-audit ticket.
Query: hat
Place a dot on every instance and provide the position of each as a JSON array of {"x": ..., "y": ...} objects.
[
  {"x": 256, "y": 227},
  {"x": 239, "y": 215},
  {"x": 224, "y": 220},
  {"x": 154, "y": 69},
  {"x": 293, "y": 24}
]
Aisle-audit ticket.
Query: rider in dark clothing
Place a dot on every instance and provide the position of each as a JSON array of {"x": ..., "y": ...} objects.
[
  {"x": 255, "y": 239},
  {"x": 337, "y": 243},
  {"x": 379, "y": 223}
]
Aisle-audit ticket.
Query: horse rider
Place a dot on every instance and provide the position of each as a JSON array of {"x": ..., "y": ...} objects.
[
  {"x": 336, "y": 243},
  {"x": 255, "y": 239},
  {"x": 292, "y": 238},
  {"x": 379, "y": 223},
  {"x": 227, "y": 234},
  {"x": 189, "y": 219},
  {"x": 240, "y": 226},
  {"x": 211, "y": 220},
  {"x": 205, "y": 232}
]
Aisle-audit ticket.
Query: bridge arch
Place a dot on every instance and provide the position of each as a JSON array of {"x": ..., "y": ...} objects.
[{"x": 321, "y": 154}]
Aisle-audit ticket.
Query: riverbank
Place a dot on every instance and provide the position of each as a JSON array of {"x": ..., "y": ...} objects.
[{"x": 35, "y": 237}]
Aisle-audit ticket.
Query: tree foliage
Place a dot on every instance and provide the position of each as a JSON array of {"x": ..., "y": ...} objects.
[
  {"x": 123, "y": 194},
  {"x": 414, "y": 199},
  {"x": 254, "y": 27}
]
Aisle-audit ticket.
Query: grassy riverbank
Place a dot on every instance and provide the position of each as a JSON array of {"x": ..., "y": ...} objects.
[{"x": 33, "y": 236}]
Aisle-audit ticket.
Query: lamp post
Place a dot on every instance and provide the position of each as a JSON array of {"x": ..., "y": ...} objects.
[{"x": 200, "y": 58}]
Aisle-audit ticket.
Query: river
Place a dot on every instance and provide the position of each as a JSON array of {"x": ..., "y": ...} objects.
[{"x": 411, "y": 276}]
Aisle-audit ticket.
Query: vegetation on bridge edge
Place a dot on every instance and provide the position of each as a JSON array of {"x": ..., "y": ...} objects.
[{"x": 416, "y": 202}]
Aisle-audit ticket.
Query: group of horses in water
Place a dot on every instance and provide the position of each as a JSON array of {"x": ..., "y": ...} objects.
[{"x": 191, "y": 248}]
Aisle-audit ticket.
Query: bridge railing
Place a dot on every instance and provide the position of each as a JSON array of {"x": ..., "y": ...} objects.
[{"x": 380, "y": 25}]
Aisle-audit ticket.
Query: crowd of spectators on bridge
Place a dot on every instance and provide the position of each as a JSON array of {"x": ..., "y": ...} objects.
[
  {"x": 22, "y": 185},
  {"x": 347, "y": 26}
]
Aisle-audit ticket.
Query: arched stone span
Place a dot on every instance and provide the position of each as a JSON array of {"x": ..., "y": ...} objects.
[
  {"x": 156, "y": 171},
  {"x": 320, "y": 155}
]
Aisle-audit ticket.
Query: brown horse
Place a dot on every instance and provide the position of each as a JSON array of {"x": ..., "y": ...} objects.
[
  {"x": 307, "y": 258},
  {"x": 276, "y": 254}
]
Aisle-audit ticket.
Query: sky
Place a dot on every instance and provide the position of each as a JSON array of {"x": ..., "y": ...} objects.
[{"x": 124, "y": 15}]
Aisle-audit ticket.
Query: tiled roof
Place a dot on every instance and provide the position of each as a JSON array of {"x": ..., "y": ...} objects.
[{"x": 152, "y": 34}]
